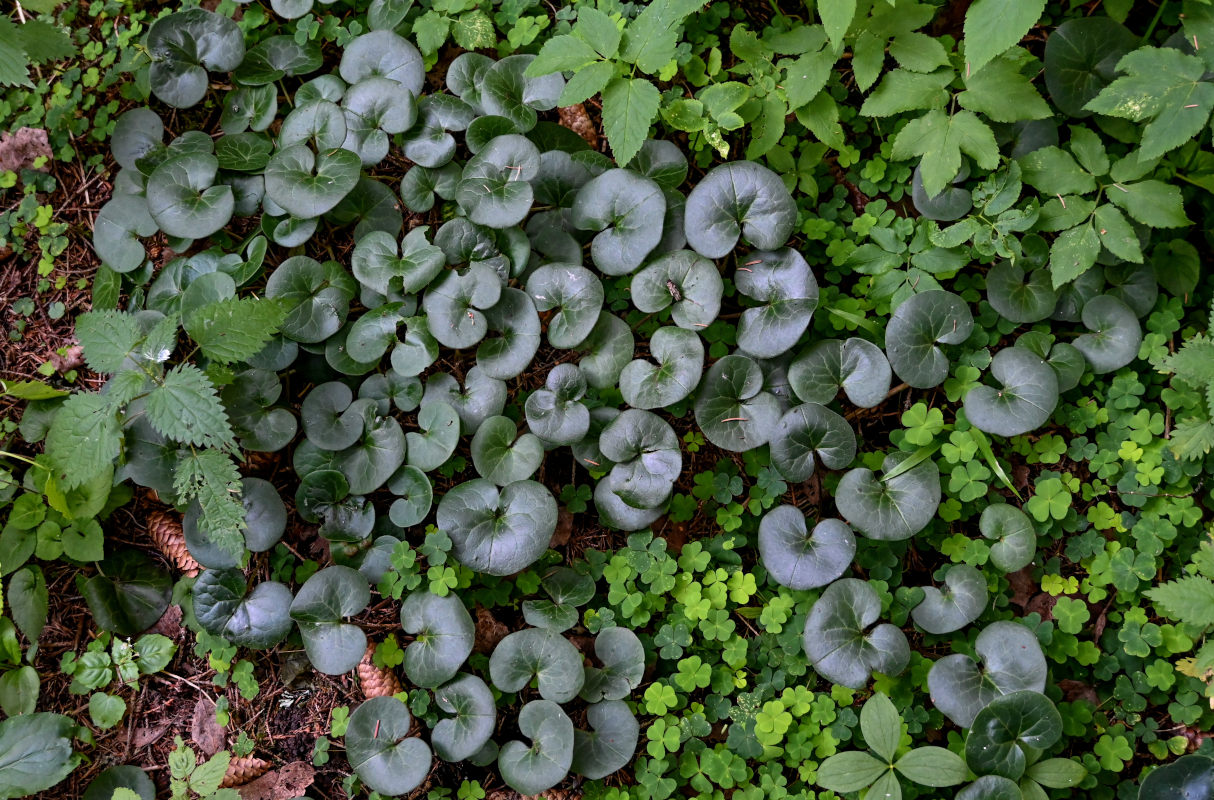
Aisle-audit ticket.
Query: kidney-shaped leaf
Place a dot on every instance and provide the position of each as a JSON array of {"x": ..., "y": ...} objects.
[
  {"x": 531, "y": 769},
  {"x": 611, "y": 742},
  {"x": 369, "y": 462},
  {"x": 1081, "y": 58},
  {"x": 683, "y": 281},
  {"x": 733, "y": 409},
  {"x": 577, "y": 295},
  {"x": 323, "y": 601},
  {"x": 783, "y": 282},
  {"x": 225, "y": 607},
  {"x": 265, "y": 521},
  {"x": 623, "y": 666},
  {"x": 498, "y": 532},
  {"x": 1190, "y": 776},
  {"x": 473, "y": 715},
  {"x": 991, "y": 787},
  {"x": 1015, "y": 541},
  {"x": 183, "y": 46},
  {"x": 555, "y": 413},
  {"x": 855, "y": 365},
  {"x": 809, "y": 433},
  {"x": 381, "y": 751},
  {"x": 278, "y": 57},
  {"x": 959, "y": 603},
  {"x": 646, "y": 456},
  {"x": 514, "y": 317},
  {"x": 317, "y": 297},
  {"x": 456, "y": 303},
  {"x": 894, "y": 508},
  {"x": 443, "y": 637},
  {"x": 840, "y": 641},
  {"x": 1024, "y": 403},
  {"x": 384, "y": 54},
  {"x": 331, "y": 418},
  {"x": 799, "y": 558},
  {"x": 1012, "y": 661},
  {"x": 501, "y": 456},
  {"x": 541, "y": 654},
  {"x": 739, "y": 199},
  {"x": 430, "y": 449},
  {"x": 385, "y": 266},
  {"x": 994, "y": 744},
  {"x": 306, "y": 184},
  {"x": 628, "y": 210},
  {"x": 184, "y": 199},
  {"x": 117, "y": 229},
  {"x": 129, "y": 595},
  {"x": 917, "y": 327},
  {"x": 1115, "y": 334},
  {"x": 680, "y": 356},
  {"x": 1019, "y": 295},
  {"x": 494, "y": 188}
]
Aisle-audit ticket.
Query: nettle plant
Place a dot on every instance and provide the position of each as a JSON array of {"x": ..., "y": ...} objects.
[{"x": 426, "y": 327}]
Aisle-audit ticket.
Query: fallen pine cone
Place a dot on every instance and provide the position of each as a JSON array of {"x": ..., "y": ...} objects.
[
  {"x": 577, "y": 120},
  {"x": 165, "y": 530},
  {"x": 243, "y": 769},
  {"x": 376, "y": 682}
]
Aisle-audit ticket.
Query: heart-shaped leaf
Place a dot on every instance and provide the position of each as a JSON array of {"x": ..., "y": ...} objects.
[
  {"x": 183, "y": 46},
  {"x": 385, "y": 266},
  {"x": 733, "y": 409},
  {"x": 799, "y": 558},
  {"x": 369, "y": 462},
  {"x": 331, "y": 418},
  {"x": 480, "y": 397},
  {"x": 1190, "y": 776},
  {"x": 375, "y": 109},
  {"x": 783, "y": 282},
  {"x": 265, "y": 519},
  {"x": 306, "y": 184},
  {"x": 609, "y": 348},
  {"x": 225, "y": 607},
  {"x": 953, "y": 202},
  {"x": 325, "y": 599},
  {"x": 1008, "y": 724},
  {"x": 555, "y": 413},
  {"x": 494, "y": 188},
  {"x": 576, "y": 294},
  {"x": 317, "y": 297},
  {"x": 627, "y": 209},
  {"x": 1015, "y": 541},
  {"x": 278, "y": 57},
  {"x": 123, "y": 776},
  {"x": 917, "y": 327},
  {"x": 623, "y": 666},
  {"x": 506, "y": 91},
  {"x": 647, "y": 461},
  {"x": 1011, "y": 659},
  {"x": 321, "y": 123},
  {"x": 841, "y": 642},
  {"x": 470, "y": 702},
  {"x": 1028, "y": 396},
  {"x": 739, "y": 199},
  {"x": 421, "y": 184},
  {"x": 950, "y": 609},
  {"x": 531, "y": 769},
  {"x": 431, "y": 448},
  {"x": 381, "y": 751},
  {"x": 455, "y": 305},
  {"x": 542, "y": 655},
  {"x": 383, "y": 54},
  {"x": 890, "y": 509},
  {"x": 184, "y": 199},
  {"x": 611, "y": 742},
  {"x": 137, "y": 133},
  {"x": 498, "y": 532},
  {"x": 502, "y": 456},
  {"x": 129, "y": 594},
  {"x": 991, "y": 787},
  {"x": 414, "y": 496},
  {"x": 683, "y": 281},
  {"x": 117, "y": 229},
  {"x": 809, "y": 433},
  {"x": 680, "y": 356},
  {"x": 443, "y": 637},
  {"x": 1081, "y": 58},
  {"x": 1115, "y": 334},
  {"x": 856, "y": 366},
  {"x": 515, "y": 319},
  {"x": 1020, "y": 295},
  {"x": 1135, "y": 285}
]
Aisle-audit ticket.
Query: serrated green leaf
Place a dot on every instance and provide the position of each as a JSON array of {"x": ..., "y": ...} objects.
[
  {"x": 235, "y": 329},
  {"x": 1192, "y": 438},
  {"x": 186, "y": 408},
  {"x": 902, "y": 90},
  {"x": 473, "y": 30},
  {"x": 650, "y": 39},
  {"x": 629, "y": 106},
  {"x": 993, "y": 26},
  {"x": 560, "y": 54},
  {"x": 1194, "y": 362},
  {"x": 1073, "y": 253},
  {"x": 108, "y": 337},
  {"x": 1002, "y": 93},
  {"x": 1153, "y": 203},
  {"x": 1189, "y": 600},
  {"x": 84, "y": 439},
  {"x": 1163, "y": 85},
  {"x": 211, "y": 478},
  {"x": 940, "y": 139},
  {"x": 14, "y": 64},
  {"x": 1116, "y": 234},
  {"x": 586, "y": 83},
  {"x": 836, "y": 18},
  {"x": 598, "y": 30},
  {"x": 1053, "y": 171},
  {"x": 45, "y": 42}
]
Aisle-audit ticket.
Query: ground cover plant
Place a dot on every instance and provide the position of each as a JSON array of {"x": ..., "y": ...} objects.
[{"x": 620, "y": 400}]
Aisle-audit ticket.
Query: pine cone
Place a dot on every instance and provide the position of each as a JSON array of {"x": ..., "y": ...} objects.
[
  {"x": 577, "y": 120},
  {"x": 165, "y": 530},
  {"x": 376, "y": 682},
  {"x": 241, "y": 770}
]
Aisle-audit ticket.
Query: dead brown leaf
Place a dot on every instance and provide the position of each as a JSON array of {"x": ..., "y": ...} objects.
[
  {"x": 564, "y": 527},
  {"x": 489, "y": 631},
  {"x": 204, "y": 730},
  {"x": 19, "y": 150},
  {"x": 283, "y": 783}
]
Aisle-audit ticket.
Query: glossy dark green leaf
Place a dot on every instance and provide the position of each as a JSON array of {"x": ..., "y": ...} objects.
[
  {"x": 1081, "y": 58},
  {"x": 1004, "y": 726},
  {"x": 733, "y": 409},
  {"x": 555, "y": 412},
  {"x": 516, "y": 323},
  {"x": 183, "y": 46},
  {"x": 627, "y": 210},
  {"x": 576, "y": 294},
  {"x": 225, "y": 607},
  {"x": 683, "y": 281},
  {"x": 807, "y": 434},
  {"x": 1190, "y": 777},
  {"x": 960, "y": 602},
  {"x": 443, "y": 637},
  {"x": 540, "y": 655},
  {"x": 1015, "y": 541},
  {"x": 385, "y": 54},
  {"x": 890, "y": 509},
  {"x": 278, "y": 57},
  {"x": 455, "y": 305},
  {"x": 36, "y": 752},
  {"x": 129, "y": 594},
  {"x": 1115, "y": 334},
  {"x": 414, "y": 496},
  {"x": 184, "y": 199},
  {"x": 1019, "y": 295},
  {"x": 916, "y": 328},
  {"x": 1011, "y": 659},
  {"x": 306, "y": 184},
  {"x": 334, "y": 647},
  {"x": 856, "y": 366},
  {"x": 381, "y": 751},
  {"x": 741, "y": 199},
  {"x": 1027, "y": 396},
  {"x": 610, "y": 743},
  {"x": 531, "y": 769},
  {"x": 679, "y": 354},
  {"x": 784, "y": 284},
  {"x": 316, "y": 295},
  {"x": 473, "y": 715},
  {"x": 608, "y": 347}
]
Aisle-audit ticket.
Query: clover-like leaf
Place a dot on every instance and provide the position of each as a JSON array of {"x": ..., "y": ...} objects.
[
  {"x": 680, "y": 356},
  {"x": 1011, "y": 659},
  {"x": 555, "y": 413},
  {"x": 381, "y": 751},
  {"x": 502, "y": 456},
  {"x": 183, "y": 46},
  {"x": 950, "y": 609},
  {"x": 856, "y": 366},
  {"x": 915, "y": 330},
  {"x": 576, "y": 294},
  {"x": 225, "y": 607},
  {"x": 841, "y": 642},
  {"x": 783, "y": 282},
  {"x": 809, "y": 433},
  {"x": 532, "y": 769},
  {"x": 683, "y": 281},
  {"x": 893, "y": 508},
  {"x": 611, "y": 742},
  {"x": 627, "y": 210},
  {"x": 1028, "y": 396},
  {"x": 1115, "y": 334},
  {"x": 539, "y": 654},
  {"x": 1005, "y": 726},
  {"x": 739, "y": 199},
  {"x": 733, "y": 408},
  {"x": 474, "y": 713},
  {"x": 799, "y": 558},
  {"x": 498, "y": 532},
  {"x": 622, "y": 657},
  {"x": 1015, "y": 541},
  {"x": 184, "y": 199},
  {"x": 325, "y": 599},
  {"x": 1020, "y": 295},
  {"x": 306, "y": 184},
  {"x": 443, "y": 637},
  {"x": 384, "y": 54},
  {"x": 456, "y": 303},
  {"x": 265, "y": 519}
]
